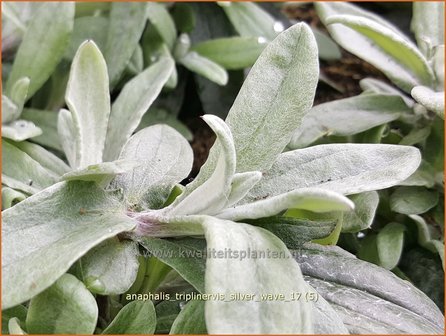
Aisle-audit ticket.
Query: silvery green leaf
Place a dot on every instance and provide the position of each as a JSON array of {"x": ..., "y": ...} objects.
[
  {"x": 425, "y": 238},
  {"x": 327, "y": 48},
  {"x": 162, "y": 21},
  {"x": 14, "y": 327},
  {"x": 188, "y": 257},
  {"x": 313, "y": 199},
  {"x": 423, "y": 176},
  {"x": 19, "y": 92},
  {"x": 65, "y": 307},
  {"x": 250, "y": 20},
  {"x": 362, "y": 216},
  {"x": 377, "y": 43},
  {"x": 87, "y": 28},
  {"x": 47, "y": 159},
  {"x": 10, "y": 111},
  {"x": 413, "y": 200},
  {"x": 101, "y": 173},
  {"x": 182, "y": 46},
  {"x": 18, "y": 185},
  {"x": 347, "y": 116},
  {"x": 154, "y": 223},
  {"x": 204, "y": 67},
  {"x": 111, "y": 267},
  {"x": 43, "y": 45},
  {"x": 232, "y": 53},
  {"x": 200, "y": 197},
  {"x": 165, "y": 159},
  {"x": 344, "y": 168},
  {"x": 137, "y": 317},
  {"x": 39, "y": 247},
  {"x": 67, "y": 135},
  {"x": 88, "y": 99},
  {"x": 190, "y": 320},
  {"x": 266, "y": 112},
  {"x": 241, "y": 184},
  {"x": 47, "y": 122},
  {"x": 389, "y": 243},
  {"x": 11, "y": 197},
  {"x": 415, "y": 136},
  {"x": 277, "y": 277},
  {"x": 126, "y": 25},
  {"x": 294, "y": 232},
  {"x": 22, "y": 167},
  {"x": 431, "y": 100},
  {"x": 161, "y": 116},
  {"x": 92, "y": 8},
  {"x": 18, "y": 312},
  {"x": 20, "y": 130},
  {"x": 368, "y": 298},
  {"x": 132, "y": 103},
  {"x": 377, "y": 86},
  {"x": 428, "y": 25}
]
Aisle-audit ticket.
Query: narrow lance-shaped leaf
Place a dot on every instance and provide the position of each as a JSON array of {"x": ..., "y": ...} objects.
[
  {"x": 241, "y": 184},
  {"x": 165, "y": 158},
  {"x": 200, "y": 196},
  {"x": 65, "y": 307},
  {"x": 132, "y": 103},
  {"x": 47, "y": 122},
  {"x": 67, "y": 133},
  {"x": 88, "y": 99},
  {"x": 39, "y": 247},
  {"x": 43, "y": 45},
  {"x": 266, "y": 112},
  {"x": 250, "y": 20},
  {"x": 161, "y": 19},
  {"x": 10, "y": 111},
  {"x": 204, "y": 67},
  {"x": 137, "y": 317},
  {"x": 276, "y": 278},
  {"x": 428, "y": 25},
  {"x": 377, "y": 42},
  {"x": 126, "y": 25},
  {"x": 232, "y": 52},
  {"x": 344, "y": 168},
  {"x": 347, "y": 116}
]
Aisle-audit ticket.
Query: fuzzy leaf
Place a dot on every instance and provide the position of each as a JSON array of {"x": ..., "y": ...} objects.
[
  {"x": 88, "y": 99},
  {"x": 379, "y": 44},
  {"x": 362, "y": 216},
  {"x": 428, "y": 25},
  {"x": 200, "y": 196},
  {"x": 313, "y": 199},
  {"x": 67, "y": 133},
  {"x": 165, "y": 159},
  {"x": 132, "y": 103},
  {"x": 232, "y": 53},
  {"x": 14, "y": 327},
  {"x": 161, "y": 19},
  {"x": 241, "y": 184},
  {"x": 126, "y": 25},
  {"x": 344, "y": 168},
  {"x": 413, "y": 200},
  {"x": 111, "y": 267},
  {"x": 204, "y": 67},
  {"x": 389, "y": 243},
  {"x": 378, "y": 86},
  {"x": 65, "y": 307},
  {"x": 43, "y": 45},
  {"x": 423, "y": 176},
  {"x": 259, "y": 276},
  {"x": 10, "y": 197},
  {"x": 10, "y": 111},
  {"x": 22, "y": 167},
  {"x": 190, "y": 320},
  {"x": 249, "y": 20},
  {"x": 431, "y": 100},
  {"x": 20, "y": 130},
  {"x": 39, "y": 247},
  {"x": 18, "y": 185},
  {"x": 19, "y": 92},
  {"x": 137, "y": 317},
  {"x": 327, "y": 48},
  {"x": 368, "y": 298},
  {"x": 266, "y": 112},
  {"x": 18, "y": 312},
  {"x": 101, "y": 173},
  {"x": 347, "y": 116}
]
